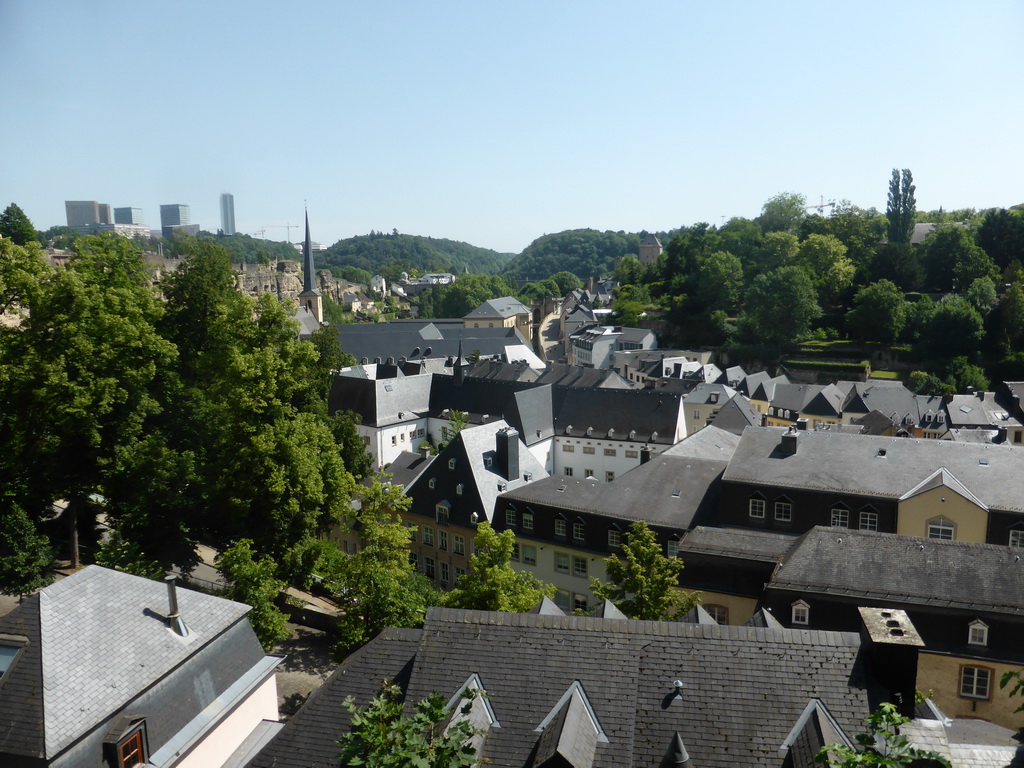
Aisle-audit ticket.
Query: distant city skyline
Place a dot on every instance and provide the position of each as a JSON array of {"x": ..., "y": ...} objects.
[{"x": 496, "y": 124}]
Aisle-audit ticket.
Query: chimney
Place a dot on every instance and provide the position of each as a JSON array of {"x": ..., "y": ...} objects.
[
  {"x": 174, "y": 622},
  {"x": 790, "y": 441},
  {"x": 801, "y": 424},
  {"x": 645, "y": 454},
  {"x": 507, "y": 452},
  {"x": 424, "y": 451},
  {"x": 892, "y": 643}
]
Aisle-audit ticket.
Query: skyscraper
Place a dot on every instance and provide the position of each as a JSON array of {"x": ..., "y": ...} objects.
[
  {"x": 174, "y": 215},
  {"x": 128, "y": 216},
  {"x": 85, "y": 213},
  {"x": 227, "y": 213}
]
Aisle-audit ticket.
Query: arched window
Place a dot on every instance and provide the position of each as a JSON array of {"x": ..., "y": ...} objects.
[{"x": 941, "y": 528}]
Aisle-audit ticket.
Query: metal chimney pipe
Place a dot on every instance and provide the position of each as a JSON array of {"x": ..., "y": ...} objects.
[{"x": 172, "y": 596}]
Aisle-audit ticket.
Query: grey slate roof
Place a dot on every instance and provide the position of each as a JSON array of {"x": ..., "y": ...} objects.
[
  {"x": 382, "y": 402},
  {"x": 578, "y": 376},
  {"x": 502, "y": 308},
  {"x": 742, "y": 544},
  {"x": 911, "y": 570},
  {"x": 423, "y": 338},
  {"x": 744, "y": 688},
  {"x": 736, "y": 415},
  {"x": 527, "y": 406},
  {"x": 672, "y": 492},
  {"x": 622, "y": 411},
  {"x": 711, "y": 442},
  {"x": 852, "y": 464},
  {"x": 102, "y": 643}
]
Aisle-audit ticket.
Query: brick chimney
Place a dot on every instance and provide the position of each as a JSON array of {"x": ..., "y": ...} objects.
[{"x": 507, "y": 452}]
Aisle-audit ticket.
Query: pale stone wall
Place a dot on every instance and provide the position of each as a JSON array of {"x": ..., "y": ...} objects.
[
  {"x": 938, "y": 676},
  {"x": 971, "y": 521}
]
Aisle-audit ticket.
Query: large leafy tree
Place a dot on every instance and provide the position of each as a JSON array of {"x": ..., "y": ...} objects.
[
  {"x": 824, "y": 257},
  {"x": 720, "y": 281},
  {"x": 1001, "y": 235},
  {"x": 881, "y": 745},
  {"x": 944, "y": 249},
  {"x": 780, "y": 306},
  {"x": 491, "y": 583},
  {"x": 955, "y": 328},
  {"x": 26, "y": 558},
  {"x": 377, "y": 584},
  {"x": 644, "y": 583},
  {"x": 15, "y": 226},
  {"x": 879, "y": 312},
  {"x": 382, "y": 736},
  {"x": 783, "y": 212},
  {"x": 253, "y": 580},
  {"x": 901, "y": 206}
]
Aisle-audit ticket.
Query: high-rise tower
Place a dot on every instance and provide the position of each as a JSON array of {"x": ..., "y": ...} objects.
[
  {"x": 310, "y": 298},
  {"x": 227, "y": 213},
  {"x": 174, "y": 215}
]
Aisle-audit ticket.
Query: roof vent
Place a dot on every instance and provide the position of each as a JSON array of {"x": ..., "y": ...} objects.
[
  {"x": 881, "y": 453},
  {"x": 174, "y": 620}
]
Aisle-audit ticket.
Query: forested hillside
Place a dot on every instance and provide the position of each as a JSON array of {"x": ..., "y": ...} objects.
[
  {"x": 391, "y": 254},
  {"x": 584, "y": 252}
]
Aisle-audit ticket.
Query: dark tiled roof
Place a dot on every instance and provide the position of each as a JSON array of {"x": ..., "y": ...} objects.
[
  {"x": 309, "y": 739},
  {"x": 736, "y": 415},
  {"x": 21, "y": 702},
  {"x": 743, "y": 688},
  {"x": 425, "y": 338},
  {"x": 504, "y": 307},
  {"x": 647, "y": 412},
  {"x": 708, "y": 443},
  {"x": 852, "y": 464},
  {"x": 381, "y": 402},
  {"x": 739, "y": 543},
  {"x": 524, "y": 405},
  {"x": 669, "y": 491},
  {"x": 892, "y": 567}
]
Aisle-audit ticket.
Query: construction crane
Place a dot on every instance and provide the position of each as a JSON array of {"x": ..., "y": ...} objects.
[
  {"x": 289, "y": 227},
  {"x": 259, "y": 232},
  {"x": 821, "y": 206}
]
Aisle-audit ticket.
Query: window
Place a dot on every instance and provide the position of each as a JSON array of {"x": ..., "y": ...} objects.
[
  {"x": 757, "y": 508},
  {"x": 941, "y": 528},
  {"x": 632, "y": 454},
  {"x": 442, "y": 540},
  {"x": 515, "y": 551},
  {"x": 579, "y": 566},
  {"x": 609, "y": 476},
  {"x": 459, "y": 572},
  {"x": 527, "y": 521},
  {"x": 428, "y": 536},
  {"x": 131, "y": 751},
  {"x": 561, "y": 562},
  {"x": 977, "y": 633},
  {"x": 414, "y": 561},
  {"x": 451, "y": 463},
  {"x": 718, "y": 612},
  {"x": 529, "y": 555},
  {"x": 428, "y": 567},
  {"x": 568, "y": 471},
  {"x": 442, "y": 513},
  {"x": 840, "y": 517},
  {"x": 559, "y": 527},
  {"x": 579, "y": 602},
  {"x": 672, "y": 548},
  {"x": 868, "y": 520},
  {"x": 579, "y": 531},
  {"x": 413, "y": 530},
  {"x": 614, "y": 537},
  {"x": 610, "y": 452},
  {"x": 975, "y": 682},
  {"x": 562, "y": 599},
  {"x": 403, "y": 437},
  {"x": 566, "y": 448},
  {"x": 444, "y": 572},
  {"x": 801, "y": 613},
  {"x": 588, "y": 449},
  {"x": 458, "y": 544},
  {"x": 394, "y": 440},
  {"x": 588, "y": 473},
  {"x": 783, "y": 511},
  {"x": 459, "y": 489},
  {"x": 1017, "y": 538},
  {"x": 510, "y": 518},
  {"x": 432, "y": 483},
  {"x": 696, "y": 413}
]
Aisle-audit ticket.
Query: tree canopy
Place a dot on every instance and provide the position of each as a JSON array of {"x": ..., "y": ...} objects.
[
  {"x": 901, "y": 207},
  {"x": 15, "y": 226}
]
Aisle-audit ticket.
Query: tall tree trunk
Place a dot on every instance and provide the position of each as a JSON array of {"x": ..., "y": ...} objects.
[{"x": 72, "y": 513}]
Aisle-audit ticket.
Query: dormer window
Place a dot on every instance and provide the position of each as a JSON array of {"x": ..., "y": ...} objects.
[
  {"x": 488, "y": 461},
  {"x": 977, "y": 633},
  {"x": 451, "y": 463},
  {"x": 942, "y": 529},
  {"x": 432, "y": 482},
  {"x": 756, "y": 508},
  {"x": 441, "y": 511},
  {"x": 801, "y": 613},
  {"x": 940, "y": 418},
  {"x": 459, "y": 488}
]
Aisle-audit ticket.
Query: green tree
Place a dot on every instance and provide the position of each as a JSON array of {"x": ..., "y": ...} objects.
[
  {"x": 780, "y": 306},
  {"x": 377, "y": 582},
  {"x": 566, "y": 282},
  {"x": 381, "y": 736},
  {"x": 777, "y": 249},
  {"x": 943, "y": 249},
  {"x": 26, "y": 558},
  {"x": 824, "y": 257},
  {"x": 901, "y": 207},
  {"x": 629, "y": 271},
  {"x": 253, "y": 580},
  {"x": 900, "y": 263},
  {"x": 720, "y": 281},
  {"x": 491, "y": 583},
  {"x": 923, "y": 383},
  {"x": 879, "y": 312},
  {"x": 1001, "y": 235},
  {"x": 972, "y": 264},
  {"x": 644, "y": 584},
  {"x": 782, "y": 213},
  {"x": 740, "y": 237},
  {"x": 955, "y": 328},
  {"x": 15, "y": 225},
  {"x": 882, "y": 745},
  {"x": 982, "y": 295},
  {"x": 963, "y": 376}
]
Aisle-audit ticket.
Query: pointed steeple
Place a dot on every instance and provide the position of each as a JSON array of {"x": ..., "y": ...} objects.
[
  {"x": 676, "y": 755},
  {"x": 458, "y": 373},
  {"x": 310, "y": 296}
]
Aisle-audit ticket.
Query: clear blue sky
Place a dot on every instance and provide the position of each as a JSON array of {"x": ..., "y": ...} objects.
[{"x": 495, "y": 123}]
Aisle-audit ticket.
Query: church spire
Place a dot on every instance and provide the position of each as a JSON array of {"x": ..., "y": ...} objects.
[{"x": 310, "y": 296}]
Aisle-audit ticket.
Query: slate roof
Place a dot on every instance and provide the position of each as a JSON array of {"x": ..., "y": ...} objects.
[
  {"x": 673, "y": 492},
  {"x": 709, "y": 393},
  {"x": 907, "y": 569},
  {"x": 852, "y": 464},
  {"x": 751, "y": 381},
  {"x": 578, "y": 376},
  {"x": 527, "y": 406},
  {"x": 744, "y": 688},
  {"x": 309, "y": 739},
  {"x": 762, "y": 546},
  {"x": 765, "y": 390},
  {"x": 382, "y": 402},
  {"x": 983, "y": 412},
  {"x": 887, "y": 399},
  {"x": 712, "y": 442},
  {"x": 101, "y": 641},
  {"x": 736, "y": 415},
  {"x": 505, "y": 307},
  {"x": 499, "y": 369},
  {"x": 405, "y": 468},
  {"x": 647, "y": 412},
  {"x": 423, "y": 338},
  {"x": 814, "y": 399}
]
